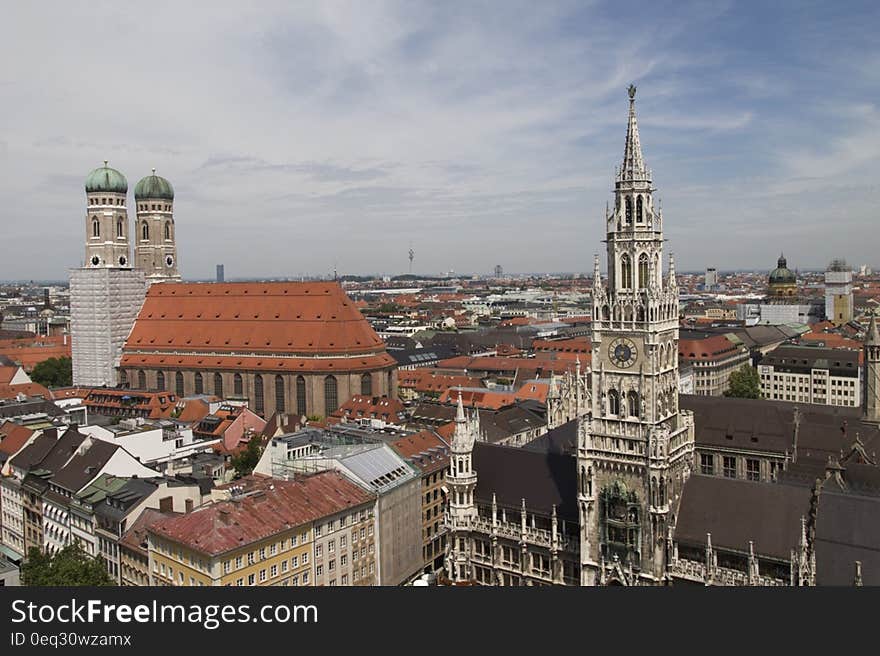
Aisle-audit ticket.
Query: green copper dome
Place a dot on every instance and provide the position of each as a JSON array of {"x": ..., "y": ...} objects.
[
  {"x": 106, "y": 179},
  {"x": 782, "y": 274},
  {"x": 154, "y": 186}
]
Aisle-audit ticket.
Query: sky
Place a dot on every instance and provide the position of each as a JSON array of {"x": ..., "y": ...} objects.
[{"x": 305, "y": 137}]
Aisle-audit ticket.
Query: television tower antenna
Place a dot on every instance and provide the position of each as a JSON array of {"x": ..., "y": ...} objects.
[{"x": 412, "y": 254}]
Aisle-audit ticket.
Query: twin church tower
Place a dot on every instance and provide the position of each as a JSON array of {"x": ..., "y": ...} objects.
[
  {"x": 108, "y": 236},
  {"x": 107, "y": 291}
]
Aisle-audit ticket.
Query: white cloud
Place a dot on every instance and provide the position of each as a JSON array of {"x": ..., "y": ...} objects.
[{"x": 296, "y": 135}]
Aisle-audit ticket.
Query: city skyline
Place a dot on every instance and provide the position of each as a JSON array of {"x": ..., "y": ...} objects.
[{"x": 392, "y": 125}]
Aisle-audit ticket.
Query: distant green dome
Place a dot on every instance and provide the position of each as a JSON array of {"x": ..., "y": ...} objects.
[
  {"x": 154, "y": 186},
  {"x": 782, "y": 275},
  {"x": 106, "y": 179}
]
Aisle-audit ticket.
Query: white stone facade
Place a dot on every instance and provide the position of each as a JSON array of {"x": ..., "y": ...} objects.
[{"x": 636, "y": 449}]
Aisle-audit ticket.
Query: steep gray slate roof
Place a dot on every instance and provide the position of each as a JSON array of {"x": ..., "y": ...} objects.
[
  {"x": 736, "y": 512},
  {"x": 847, "y": 530},
  {"x": 543, "y": 479}
]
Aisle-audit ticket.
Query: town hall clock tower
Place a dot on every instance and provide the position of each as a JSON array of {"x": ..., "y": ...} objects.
[{"x": 635, "y": 448}]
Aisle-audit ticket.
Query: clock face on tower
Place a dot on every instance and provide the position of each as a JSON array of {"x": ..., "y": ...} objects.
[{"x": 622, "y": 352}]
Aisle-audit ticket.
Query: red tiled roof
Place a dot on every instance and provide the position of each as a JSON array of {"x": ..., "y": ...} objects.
[
  {"x": 193, "y": 410},
  {"x": 70, "y": 392},
  {"x": 428, "y": 380},
  {"x": 552, "y": 361},
  {"x": 264, "y": 319},
  {"x": 13, "y": 437},
  {"x": 831, "y": 340},
  {"x": 425, "y": 449},
  {"x": 574, "y": 345},
  {"x": 507, "y": 350},
  {"x": 534, "y": 389},
  {"x": 135, "y": 538},
  {"x": 275, "y": 507},
  {"x": 446, "y": 430},
  {"x": 30, "y": 351},
  {"x": 7, "y": 374},
  {"x": 28, "y": 389},
  {"x": 377, "y": 407},
  {"x": 488, "y": 399},
  {"x": 159, "y": 404},
  {"x": 704, "y": 349}
]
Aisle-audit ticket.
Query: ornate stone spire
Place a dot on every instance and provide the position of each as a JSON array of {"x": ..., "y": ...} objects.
[
  {"x": 633, "y": 164},
  {"x": 873, "y": 336},
  {"x": 671, "y": 275}
]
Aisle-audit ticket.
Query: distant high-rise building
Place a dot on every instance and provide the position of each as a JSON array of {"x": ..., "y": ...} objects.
[
  {"x": 711, "y": 278},
  {"x": 220, "y": 275},
  {"x": 499, "y": 272},
  {"x": 838, "y": 292},
  {"x": 105, "y": 293}
]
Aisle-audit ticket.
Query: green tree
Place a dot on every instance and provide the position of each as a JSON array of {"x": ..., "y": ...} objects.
[
  {"x": 54, "y": 372},
  {"x": 744, "y": 383},
  {"x": 245, "y": 461},
  {"x": 70, "y": 566}
]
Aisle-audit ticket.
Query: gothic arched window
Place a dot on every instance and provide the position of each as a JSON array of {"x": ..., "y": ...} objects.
[
  {"x": 629, "y": 210},
  {"x": 259, "y": 406},
  {"x": 237, "y": 387},
  {"x": 142, "y": 380},
  {"x": 167, "y": 231},
  {"x": 613, "y": 402},
  {"x": 625, "y": 271},
  {"x": 199, "y": 384},
  {"x": 218, "y": 385},
  {"x": 160, "y": 381},
  {"x": 96, "y": 227},
  {"x": 300, "y": 396},
  {"x": 367, "y": 385},
  {"x": 119, "y": 227},
  {"x": 639, "y": 209},
  {"x": 633, "y": 402},
  {"x": 178, "y": 383},
  {"x": 643, "y": 270},
  {"x": 145, "y": 231},
  {"x": 331, "y": 398},
  {"x": 279, "y": 393}
]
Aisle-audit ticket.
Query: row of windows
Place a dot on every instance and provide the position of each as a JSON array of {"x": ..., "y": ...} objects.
[
  {"x": 120, "y": 229},
  {"x": 319, "y": 571},
  {"x": 331, "y": 395},
  {"x": 121, "y": 202},
  {"x": 330, "y": 526},
  {"x": 729, "y": 466}
]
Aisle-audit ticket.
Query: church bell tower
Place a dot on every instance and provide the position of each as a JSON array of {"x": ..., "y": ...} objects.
[{"x": 635, "y": 447}]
